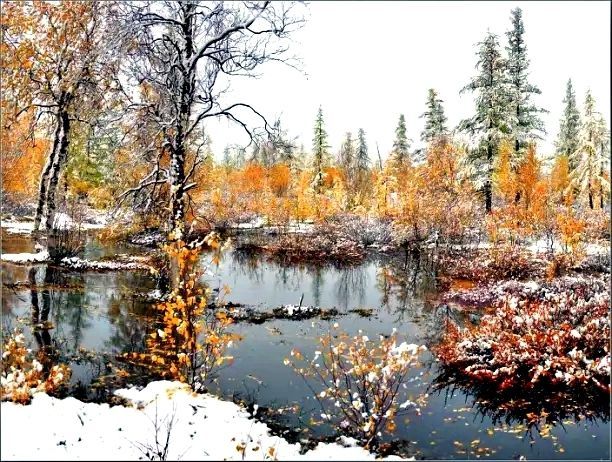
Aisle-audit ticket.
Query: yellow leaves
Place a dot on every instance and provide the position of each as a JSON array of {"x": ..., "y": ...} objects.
[{"x": 23, "y": 374}]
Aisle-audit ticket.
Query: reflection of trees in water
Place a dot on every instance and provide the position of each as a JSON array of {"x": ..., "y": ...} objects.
[
  {"x": 404, "y": 282},
  {"x": 317, "y": 282},
  {"x": 533, "y": 407},
  {"x": 48, "y": 352},
  {"x": 247, "y": 264},
  {"x": 352, "y": 280},
  {"x": 130, "y": 328}
]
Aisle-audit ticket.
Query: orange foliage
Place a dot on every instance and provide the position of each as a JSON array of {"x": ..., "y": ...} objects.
[{"x": 23, "y": 160}]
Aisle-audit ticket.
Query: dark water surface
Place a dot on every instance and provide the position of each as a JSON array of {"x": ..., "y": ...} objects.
[{"x": 106, "y": 314}]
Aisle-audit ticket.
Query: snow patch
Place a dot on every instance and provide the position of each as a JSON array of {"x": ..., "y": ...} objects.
[
  {"x": 25, "y": 257},
  {"x": 204, "y": 428}
]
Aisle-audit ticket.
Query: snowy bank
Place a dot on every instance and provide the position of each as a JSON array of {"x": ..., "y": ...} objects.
[
  {"x": 40, "y": 257},
  {"x": 61, "y": 221},
  {"x": 119, "y": 262},
  {"x": 204, "y": 428}
]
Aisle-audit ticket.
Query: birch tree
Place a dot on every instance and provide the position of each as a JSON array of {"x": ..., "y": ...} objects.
[
  {"x": 186, "y": 53},
  {"x": 56, "y": 57}
]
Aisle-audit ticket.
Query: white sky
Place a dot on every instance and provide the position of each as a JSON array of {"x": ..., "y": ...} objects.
[{"x": 367, "y": 62}]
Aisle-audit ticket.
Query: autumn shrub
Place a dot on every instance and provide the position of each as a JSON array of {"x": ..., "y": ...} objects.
[
  {"x": 363, "y": 230},
  {"x": 571, "y": 231},
  {"x": 23, "y": 373},
  {"x": 597, "y": 224},
  {"x": 555, "y": 334},
  {"x": 359, "y": 381},
  {"x": 190, "y": 340},
  {"x": 494, "y": 264},
  {"x": 65, "y": 242},
  {"x": 327, "y": 243}
]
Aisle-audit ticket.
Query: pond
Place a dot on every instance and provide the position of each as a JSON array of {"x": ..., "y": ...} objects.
[{"x": 95, "y": 316}]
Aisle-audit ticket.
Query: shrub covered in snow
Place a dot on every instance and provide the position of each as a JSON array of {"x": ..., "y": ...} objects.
[
  {"x": 495, "y": 264},
  {"x": 555, "y": 334},
  {"x": 361, "y": 380},
  {"x": 23, "y": 374},
  {"x": 364, "y": 230}
]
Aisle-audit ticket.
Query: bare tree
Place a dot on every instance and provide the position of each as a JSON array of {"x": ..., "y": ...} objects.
[{"x": 182, "y": 55}]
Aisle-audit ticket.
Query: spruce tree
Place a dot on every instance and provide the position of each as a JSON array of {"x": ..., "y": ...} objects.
[
  {"x": 592, "y": 156},
  {"x": 567, "y": 141},
  {"x": 435, "y": 120},
  {"x": 227, "y": 157},
  {"x": 362, "y": 159},
  {"x": 490, "y": 123},
  {"x": 525, "y": 124},
  {"x": 240, "y": 157},
  {"x": 346, "y": 156},
  {"x": 401, "y": 143},
  {"x": 319, "y": 149}
]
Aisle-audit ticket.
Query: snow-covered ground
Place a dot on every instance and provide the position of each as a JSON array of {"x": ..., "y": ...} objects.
[
  {"x": 204, "y": 428},
  {"x": 25, "y": 257},
  {"x": 61, "y": 221},
  {"x": 539, "y": 246},
  {"x": 293, "y": 226},
  {"x": 121, "y": 262}
]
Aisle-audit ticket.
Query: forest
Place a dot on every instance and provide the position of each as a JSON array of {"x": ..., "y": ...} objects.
[{"x": 283, "y": 298}]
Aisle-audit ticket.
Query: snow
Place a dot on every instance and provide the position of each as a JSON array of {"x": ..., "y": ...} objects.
[
  {"x": 18, "y": 227},
  {"x": 123, "y": 262},
  {"x": 60, "y": 221},
  {"x": 204, "y": 428},
  {"x": 25, "y": 257},
  {"x": 129, "y": 263}
]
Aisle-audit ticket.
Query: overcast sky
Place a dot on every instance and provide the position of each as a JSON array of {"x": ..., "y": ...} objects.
[{"x": 367, "y": 62}]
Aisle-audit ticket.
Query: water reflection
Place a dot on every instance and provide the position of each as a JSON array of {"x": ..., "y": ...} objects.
[
  {"x": 352, "y": 280},
  {"x": 533, "y": 408},
  {"x": 47, "y": 353},
  {"x": 104, "y": 315}
]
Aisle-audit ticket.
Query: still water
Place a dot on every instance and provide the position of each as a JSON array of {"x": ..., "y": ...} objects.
[{"x": 95, "y": 316}]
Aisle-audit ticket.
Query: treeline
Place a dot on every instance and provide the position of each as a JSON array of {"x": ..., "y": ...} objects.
[{"x": 106, "y": 102}]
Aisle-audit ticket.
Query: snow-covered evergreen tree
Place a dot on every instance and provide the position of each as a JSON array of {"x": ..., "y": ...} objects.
[
  {"x": 319, "y": 149},
  {"x": 490, "y": 124},
  {"x": 401, "y": 144},
  {"x": 240, "y": 157},
  {"x": 227, "y": 157},
  {"x": 346, "y": 157},
  {"x": 525, "y": 124},
  {"x": 362, "y": 159},
  {"x": 592, "y": 156},
  {"x": 567, "y": 141},
  {"x": 282, "y": 144},
  {"x": 435, "y": 119}
]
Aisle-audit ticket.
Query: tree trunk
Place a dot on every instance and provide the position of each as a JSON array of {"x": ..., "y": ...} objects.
[
  {"x": 59, "y": 160},
  {"x": 44, "y": 177},
  {"x": 177, "y": 196},
  {"x": 591, "y": 199},
  {"x": 488, "y": 193},
  {"x": 517, "y": 147},
  {"x": 178, "y": 151}
]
